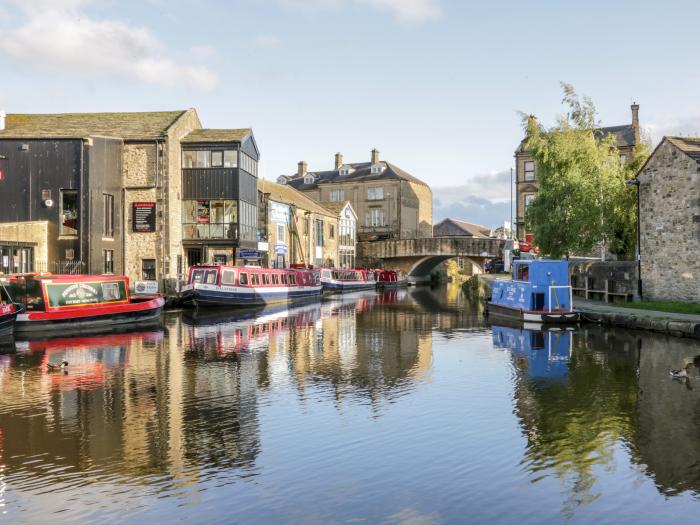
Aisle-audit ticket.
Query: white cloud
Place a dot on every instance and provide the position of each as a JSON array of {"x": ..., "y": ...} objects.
[
  {"x": 688, "y": 126},
  {"x": 59, "y": 34},
  {"x": 405, "y": 11},
  {"x": 267, "y": 41}
]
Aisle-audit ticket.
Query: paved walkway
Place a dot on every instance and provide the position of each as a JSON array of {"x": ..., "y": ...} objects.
[{"x": 598, "y": 307}]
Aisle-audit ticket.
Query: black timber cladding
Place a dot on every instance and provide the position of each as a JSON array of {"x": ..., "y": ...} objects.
[{"x": 210, "y": 183}]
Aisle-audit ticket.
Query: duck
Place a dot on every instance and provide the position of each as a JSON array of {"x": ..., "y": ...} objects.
[
  {"x": 683, "y": 372},
  {"x": 53, "y": 368}
]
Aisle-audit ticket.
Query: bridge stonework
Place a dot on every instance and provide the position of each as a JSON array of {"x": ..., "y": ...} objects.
[{"x": 418, "y": 257}]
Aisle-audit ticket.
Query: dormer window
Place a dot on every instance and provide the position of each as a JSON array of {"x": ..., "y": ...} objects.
[
  {"x": 309, "y": 179},
  {"x": 345, "y": 170},
  {"x": 282, "y": 179},
  {"x": 377, "y": 168}
]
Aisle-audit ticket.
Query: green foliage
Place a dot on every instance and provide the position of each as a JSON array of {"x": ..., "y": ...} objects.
[{"x": 583, "y": 199}]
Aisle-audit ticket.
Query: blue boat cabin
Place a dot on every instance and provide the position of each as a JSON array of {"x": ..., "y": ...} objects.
[{"x": 537, "y": 285}]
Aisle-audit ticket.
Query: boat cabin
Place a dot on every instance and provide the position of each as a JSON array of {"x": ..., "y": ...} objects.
[
  {"x": 537, "y": 285},
  {"x": 252, "y": 276},
  {"x": 347, "y": 275}
]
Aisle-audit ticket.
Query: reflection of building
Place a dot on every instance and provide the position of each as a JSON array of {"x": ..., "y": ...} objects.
[{"x": 389, "y": 202}]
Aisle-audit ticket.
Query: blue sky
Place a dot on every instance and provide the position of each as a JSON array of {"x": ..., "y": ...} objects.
[{"x": 435, "y": 85}]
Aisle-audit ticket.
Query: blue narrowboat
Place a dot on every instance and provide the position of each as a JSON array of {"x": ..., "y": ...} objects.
[{"x": 538, "y": 292}]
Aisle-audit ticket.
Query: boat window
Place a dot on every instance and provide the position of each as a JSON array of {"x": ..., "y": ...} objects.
[
  {"x": 210, "y": 277},
  {"x": 275, "y": 278},
  {"x": 317, "y": 279},
  {"x": 284, "y": 278},
  {"x": 265, "y": 279},
  {"x": 293, "y": 279},
  {"x": 34, "y": 297},
  {"x": 197, "y": 276},
  {"x": 228, "y": 277},
  {"x": 243, "y": 279},
  {"x": 523, "y": 273},
  {"x": 255, "y": 279},
  {"x": 326, "y": 273}
]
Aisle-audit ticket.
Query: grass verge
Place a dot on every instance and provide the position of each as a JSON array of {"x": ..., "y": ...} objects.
[{"x": 664, "y": 306}]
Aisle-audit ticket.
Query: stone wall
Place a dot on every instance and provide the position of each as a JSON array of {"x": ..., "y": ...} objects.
[
  {"x": 617, "y": 278},
  {"x": 425, "y": 208},
  {"x": 38, "y": 232},
  {"x": 670, "y": 226}
]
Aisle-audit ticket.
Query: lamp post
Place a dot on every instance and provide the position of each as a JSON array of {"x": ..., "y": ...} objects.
[{"x": 635, "y": 182}]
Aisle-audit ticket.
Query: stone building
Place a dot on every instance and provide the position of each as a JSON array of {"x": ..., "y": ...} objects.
[
  {"x": 103, "y": 192},
  {"x": 669, "y": 201},
  {"x": 295, "y": 229},
  {"x": 390, "y": 203},
  {"x": 457, "y": 228},
  {"x": 627, "y": 137}
]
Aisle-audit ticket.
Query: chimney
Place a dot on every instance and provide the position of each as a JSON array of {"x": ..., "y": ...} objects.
[
  {"x": 2, "y": 120},
  {"x": 635, "y": 121},
  {"x": 338, "y": 160},
  {"x": 302, "y": 168},
  {"x": 375, "y": 156}
]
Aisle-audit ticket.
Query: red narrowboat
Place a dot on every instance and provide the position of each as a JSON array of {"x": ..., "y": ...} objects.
[
  {"x": 390, "y": 279},
  {"x": 79, "y": 302}
]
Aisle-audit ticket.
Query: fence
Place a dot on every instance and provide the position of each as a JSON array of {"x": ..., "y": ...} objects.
[
  {"x": 609, "y": 281},
  {"x": 61, "y": 267}
]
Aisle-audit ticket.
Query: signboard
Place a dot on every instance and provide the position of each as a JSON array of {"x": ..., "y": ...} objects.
[
  {"x": 146, "y": 287},
  {"x": 281, "y": 249},
  {"x": 82, "y": 293},
  {"x": 202, "y": 211},
  {"x": 144, "y": 217},
  {"x": 279, "y": 213},
  {"x": 263, "y": 246},
  {"x": 249, "y": 254}
]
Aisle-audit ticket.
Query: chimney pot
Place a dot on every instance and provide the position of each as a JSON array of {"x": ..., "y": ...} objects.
[
  {"x": 302, "y": 168},
  {"x": 338, "y": 160},
  {"x": 375, "y": 156}
]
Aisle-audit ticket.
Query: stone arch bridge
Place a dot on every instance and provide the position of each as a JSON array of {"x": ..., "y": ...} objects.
[{"x": 418, "y": 257}]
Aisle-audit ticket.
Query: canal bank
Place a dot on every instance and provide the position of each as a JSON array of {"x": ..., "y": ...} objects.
[{"x": 479, "y": 287}]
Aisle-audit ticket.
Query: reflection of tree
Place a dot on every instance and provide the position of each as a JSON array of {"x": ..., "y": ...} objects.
[{"x": 572, "y": 426}]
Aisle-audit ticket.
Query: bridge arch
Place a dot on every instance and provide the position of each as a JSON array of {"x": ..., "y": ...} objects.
[{"x": 422, "y": 269}]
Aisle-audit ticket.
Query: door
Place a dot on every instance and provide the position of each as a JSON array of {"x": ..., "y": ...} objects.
[{"x": 195, "y": 256}]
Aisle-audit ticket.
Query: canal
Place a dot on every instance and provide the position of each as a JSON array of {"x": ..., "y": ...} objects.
[{"x": 402, "y": 407}]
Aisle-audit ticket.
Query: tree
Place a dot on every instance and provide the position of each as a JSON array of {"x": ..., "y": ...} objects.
[{"x": 583, "y": 199}]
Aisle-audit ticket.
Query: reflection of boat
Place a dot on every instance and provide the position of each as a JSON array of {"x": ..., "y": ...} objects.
[
  {"x": 340, "y": 281},
  {"x": 246, "y": 286},
  {"x": 539, "y": 292},
  {"x": 78, "y": 302},
  {"x": 547, "y": 351}
]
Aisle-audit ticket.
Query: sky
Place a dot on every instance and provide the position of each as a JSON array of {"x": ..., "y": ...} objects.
[{"x": 435, "y": 85}]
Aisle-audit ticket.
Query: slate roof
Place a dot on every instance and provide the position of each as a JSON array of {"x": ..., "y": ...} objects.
[
  {"x": 129, "y": 126},
  {"x": 217, "y": 135},
  {"x": 362, "y": 172},
  {"x": 287, "y": 195},
  {"x": 469, "y": 229},
  {"x": 689, "y": 146},
  {"x": 624, "y": 136}
]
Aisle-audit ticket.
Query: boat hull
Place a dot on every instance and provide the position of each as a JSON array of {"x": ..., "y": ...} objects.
[
  {"x": 532, "y": 316},
  {"x": 347, "y": 286},
  {"x": 391, "y": 284},
  {"x": 204, "y": 295},
  {"x": 8, "y": 316},
  {"x": 99, "y": 317}
]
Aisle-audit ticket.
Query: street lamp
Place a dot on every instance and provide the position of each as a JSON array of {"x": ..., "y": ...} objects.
[{"x": 635, "y": 182}]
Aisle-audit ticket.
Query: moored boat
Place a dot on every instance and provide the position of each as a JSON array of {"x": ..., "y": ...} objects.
[
  {"x": 8, "y": 311},
  {"x": 248, "y": 286},
  {"x": 79, "y": 302},
  {"x": 539, "y": 292},
  {"x": 335, "y": 280},
  {"x": 390, "y": 279}
]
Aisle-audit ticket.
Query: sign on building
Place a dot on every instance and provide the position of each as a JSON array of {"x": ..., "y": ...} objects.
[
  {"x": 279, "y": 213},
  {"x": 249, "y": 254},
  {"x": 143, "y": 217},
  {"x": 146, "y": 287},
  {"x": 281, "y": 249}
]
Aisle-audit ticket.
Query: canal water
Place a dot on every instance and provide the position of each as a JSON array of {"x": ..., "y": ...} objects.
[{"x": 403, "y": 407}]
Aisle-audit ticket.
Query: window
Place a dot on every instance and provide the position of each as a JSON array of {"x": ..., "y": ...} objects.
[
  {"x": 275, "y": 278},
  {"x": 344, "y": 171},
  {"x": 293, "y": 279},
  {"x": 376, "y": 168},
  {"x": 529, "y": 170},
  {"x": 210, "y": 277},
  {"x": 318, "y": 230},
  {"x": 375, "y": 194},
  {"x": 69, "y": 212},
  {"x": 220, "y": 258},
  {"x": 309, "y": 179},
  {"x": 108, "y": 226},
  {"x": 230, "y": 158},
  {"x": 189, "y": 159},
  {"x": 337, "y": 195},
  {"x": 523, "y": 273},
  {"x": 203, "y": 159},
  {"x": 623, "y": 160},
  {"x": 148, "y": 269},
  {"x": 265, "y": 279},
  {"x": 243, "y": 279},
  {"x": 228, "y": 277},
  {"x": 217, "y": 159},
  {"x": 528, "y": 199},
  {"x": 375, "y": 217},
  {"x": 255, "y": 279},
  {"x": 283, "y": 277},
  {"x": 280, "y": 233},
  {"x": 108, "y": 256},
  {"x": 331, "y": 231}
]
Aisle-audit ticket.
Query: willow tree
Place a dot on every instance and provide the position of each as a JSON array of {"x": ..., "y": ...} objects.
[{"x": 582, "y": 199}]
